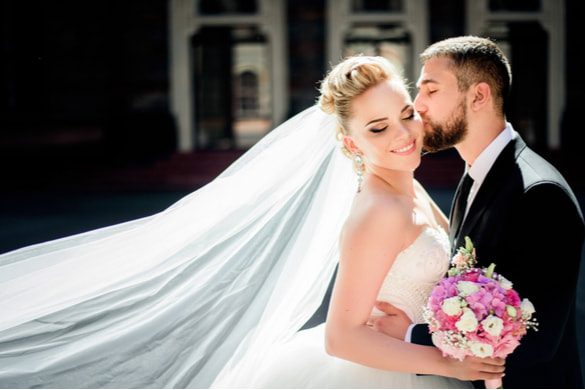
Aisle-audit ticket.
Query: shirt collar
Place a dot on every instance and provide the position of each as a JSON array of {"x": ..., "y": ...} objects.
[{"x": 483, "y": 163}]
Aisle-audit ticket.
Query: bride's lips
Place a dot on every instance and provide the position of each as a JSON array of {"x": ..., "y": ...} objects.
[{"x": 406, "y": 149}]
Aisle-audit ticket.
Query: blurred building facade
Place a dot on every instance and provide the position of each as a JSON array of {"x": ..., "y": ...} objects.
[{"x": 138, "y": 80}]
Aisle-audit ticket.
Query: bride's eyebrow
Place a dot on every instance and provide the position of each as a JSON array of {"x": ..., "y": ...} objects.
[
  {"x": 385, "y": 118},
  {"x": 376, "y": 120}
]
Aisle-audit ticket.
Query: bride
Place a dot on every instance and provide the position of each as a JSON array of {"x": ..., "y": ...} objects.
[{"x": 212, "y": 291}]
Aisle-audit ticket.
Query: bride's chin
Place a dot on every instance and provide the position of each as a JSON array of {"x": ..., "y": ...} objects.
[
  {"x": 411, "y": 165},
  {"x": 416, "y": 162}
]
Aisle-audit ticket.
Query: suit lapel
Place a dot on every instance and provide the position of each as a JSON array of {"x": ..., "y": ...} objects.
[{"x": 491, "y": 185}]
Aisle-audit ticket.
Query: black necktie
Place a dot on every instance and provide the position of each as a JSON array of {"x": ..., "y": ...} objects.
[{"x": 461, "y": 200}]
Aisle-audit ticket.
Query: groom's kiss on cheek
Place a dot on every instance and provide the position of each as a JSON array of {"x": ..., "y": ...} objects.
[{"x": 441, "y": 105}]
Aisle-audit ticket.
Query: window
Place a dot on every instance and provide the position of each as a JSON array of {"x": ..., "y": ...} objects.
[
  {"x": 214, "y": 7},
  {"x": 392, "y": 42},
  {"x": 246, "y": 101},
  {"x": 531, "y": 34},
  {"x": 394, "y": 29},
  {"x": 232, "y": 87},
  {"x": 228, "y": 71},
  {"x": 377, "y": 6},
  {"x": 515, "y": 5}
]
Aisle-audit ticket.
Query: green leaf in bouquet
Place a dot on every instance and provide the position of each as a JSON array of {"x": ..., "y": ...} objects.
[
  {"x": 468, "y": 244},
  {"x": 490, "y": 270}
]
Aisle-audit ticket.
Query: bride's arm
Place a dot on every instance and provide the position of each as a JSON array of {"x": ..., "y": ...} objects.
[{"x": 370, "y": 242}]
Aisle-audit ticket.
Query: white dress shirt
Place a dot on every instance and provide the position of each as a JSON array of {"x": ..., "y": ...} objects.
[{"x": 483, "y": 163}]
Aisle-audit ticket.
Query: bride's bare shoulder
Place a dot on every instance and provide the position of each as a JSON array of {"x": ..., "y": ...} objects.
[{"x": 378, "y": 215}]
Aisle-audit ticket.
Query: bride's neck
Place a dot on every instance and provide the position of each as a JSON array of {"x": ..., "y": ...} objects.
[{"x": 400, "y": 181}]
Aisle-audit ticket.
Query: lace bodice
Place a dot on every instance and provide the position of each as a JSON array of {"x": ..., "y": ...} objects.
[{"x": 415, "y": 272}]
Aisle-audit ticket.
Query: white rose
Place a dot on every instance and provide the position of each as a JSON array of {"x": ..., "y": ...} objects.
[
  {"x": 467, "y": 322},
  {"x": 452, "y": 306},
  {"x": 480, "y": 349},
  {"x": 493, "y": 325},
  {"x": 467, "y": 288},
  {"x": 527, "y": 308},
  {"x": 505, "y": 283}
]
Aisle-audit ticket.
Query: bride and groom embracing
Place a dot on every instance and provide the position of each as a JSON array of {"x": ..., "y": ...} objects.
[
  {"x": 515, "y": 206},
  {"x": 213, "y": 296}
]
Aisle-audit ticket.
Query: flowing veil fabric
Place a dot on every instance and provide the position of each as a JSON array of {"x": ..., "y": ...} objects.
[{"x": 191, "y": 296}]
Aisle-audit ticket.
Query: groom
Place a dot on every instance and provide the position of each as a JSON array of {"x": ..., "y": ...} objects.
[{"x": 516, "y": 208}]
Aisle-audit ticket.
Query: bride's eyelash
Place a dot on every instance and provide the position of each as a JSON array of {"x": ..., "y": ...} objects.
[
  {"x": 412, "y": 113},
  {"x": 379, "y": 130},
  {"x": 408, "y": 118}
]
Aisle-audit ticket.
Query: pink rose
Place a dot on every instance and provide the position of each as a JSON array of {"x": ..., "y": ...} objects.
[
  {"x": 513, "y": 298},
  {"x": 506, "y": 346},
  {"x": 472, "y": 276},
  {"x": 447, "y": 322},
  {"x": 482, "y": 337},
  {"x": 513, "y": 327}
]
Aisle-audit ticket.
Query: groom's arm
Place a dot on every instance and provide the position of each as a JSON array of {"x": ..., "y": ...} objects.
[
  {"x": 541, "y": 258},
  {"x": 394, "y": 323},
  {"x": 397, "y": 324},
  {"x": 420, "y": 335}
]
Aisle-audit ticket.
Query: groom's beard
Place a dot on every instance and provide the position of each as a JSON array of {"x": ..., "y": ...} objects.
[{"x": 444, "y": 136}]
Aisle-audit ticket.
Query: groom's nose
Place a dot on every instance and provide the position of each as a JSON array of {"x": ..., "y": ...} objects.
[{"x": 419, "y": 104}]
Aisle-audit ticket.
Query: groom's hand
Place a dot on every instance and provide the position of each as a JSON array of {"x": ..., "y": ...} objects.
[{"x": 395, "y": 323}]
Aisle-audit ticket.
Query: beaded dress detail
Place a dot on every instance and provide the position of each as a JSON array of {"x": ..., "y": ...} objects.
[
  {"x": 415, "y": 273},
  {"x": 303, "y": 362}
]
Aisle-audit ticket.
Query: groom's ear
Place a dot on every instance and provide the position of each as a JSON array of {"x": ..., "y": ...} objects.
[{"x": 481, "y": 96}]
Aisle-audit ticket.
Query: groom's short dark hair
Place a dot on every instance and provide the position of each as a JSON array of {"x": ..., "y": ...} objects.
[{"x": 475, "y": 60}]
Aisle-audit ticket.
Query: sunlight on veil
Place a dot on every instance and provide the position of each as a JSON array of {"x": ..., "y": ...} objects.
[{"x": 191, "y": 296}]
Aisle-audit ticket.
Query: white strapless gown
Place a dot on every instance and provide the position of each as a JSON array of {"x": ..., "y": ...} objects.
[{"x": 303, "y": 363}]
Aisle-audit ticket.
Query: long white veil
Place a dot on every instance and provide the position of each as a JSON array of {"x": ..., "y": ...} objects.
[{"x": 192, "y": 296}]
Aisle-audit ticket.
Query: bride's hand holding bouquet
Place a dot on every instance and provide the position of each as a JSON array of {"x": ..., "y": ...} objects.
[{"x": 476, "y": 312}]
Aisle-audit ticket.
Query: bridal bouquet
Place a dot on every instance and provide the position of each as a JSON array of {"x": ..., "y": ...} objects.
[{"x": 476, "y": 312}]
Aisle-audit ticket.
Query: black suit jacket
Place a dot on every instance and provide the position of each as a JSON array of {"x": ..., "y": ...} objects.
[{"x": 527, "y": 221}]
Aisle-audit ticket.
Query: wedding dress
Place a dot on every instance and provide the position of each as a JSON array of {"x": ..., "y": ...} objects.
[{"x": 303, "y": 363}]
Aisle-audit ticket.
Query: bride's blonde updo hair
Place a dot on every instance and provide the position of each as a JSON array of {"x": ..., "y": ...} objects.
[{"x": 349, "y": 79}]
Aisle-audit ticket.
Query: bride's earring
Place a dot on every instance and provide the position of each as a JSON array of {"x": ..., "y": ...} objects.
[{"x": 358, "y": 161}]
